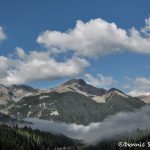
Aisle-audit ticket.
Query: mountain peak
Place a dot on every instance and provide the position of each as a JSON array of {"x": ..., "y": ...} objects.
[
  {"x": 80, "y": 82},
  {"x": 23, "y": 87},
  {"x": 113, "y": 90}
]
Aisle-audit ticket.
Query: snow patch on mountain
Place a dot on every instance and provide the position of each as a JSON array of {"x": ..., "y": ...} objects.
[
  {"x": 44, "y": 96},
  {"x": 54, "y": 113}
]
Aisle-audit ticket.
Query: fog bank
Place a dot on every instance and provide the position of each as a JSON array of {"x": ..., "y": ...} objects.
[{"x": 113, "y": 125}]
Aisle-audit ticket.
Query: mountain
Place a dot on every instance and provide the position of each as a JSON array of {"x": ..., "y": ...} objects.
[
  {"x": 99, "y": 95},
  {"x": 4, "y": 118},
  {"x": 144, "y": 98},
  {"x": 23, "y": 87},
  {"x": 6, "y": 94},
  {"x": 9, "y": 120},
  {"x": 81, "y": 86},
  {"x": 74, "y": 102},
  {"x": 9, "y": 95},
  {"x": 15, "y": 93},
  {"x": 21, "y": 91}
]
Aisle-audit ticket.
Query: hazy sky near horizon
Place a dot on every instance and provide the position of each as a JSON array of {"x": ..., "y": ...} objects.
[{"x": 43, "y": 43}]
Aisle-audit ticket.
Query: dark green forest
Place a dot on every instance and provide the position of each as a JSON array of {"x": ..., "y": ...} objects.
[
  {"x": 14, "y": 138},
  {"x": 139, "y": 140}
]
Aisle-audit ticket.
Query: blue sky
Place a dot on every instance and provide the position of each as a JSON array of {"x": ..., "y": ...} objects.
[{"x": 24, "y": 21}]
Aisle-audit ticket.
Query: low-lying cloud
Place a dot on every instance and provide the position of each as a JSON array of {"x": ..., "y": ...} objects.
[{"x": 120, "y": 123}]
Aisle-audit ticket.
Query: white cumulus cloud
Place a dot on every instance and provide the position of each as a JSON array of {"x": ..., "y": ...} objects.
[
  {"x": 95, "y": 38},
  {"x": 100, "y": 80},
  {"x": 139, "y": 86},
  {"x": 146, "y": 28},
  {"x": 2, "y": 34},
  {"x": 32, "y": 66}
]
